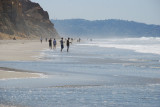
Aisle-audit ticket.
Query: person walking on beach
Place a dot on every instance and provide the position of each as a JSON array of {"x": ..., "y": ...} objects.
[
  {"x": 41, "y": 39},
  {"x": 54, "y": 43},
  {"x": 71, "y": 40},
  {"x": 50, "y": 43},
  {"x": 61, "y": 42},
  {"x": 68, "y": 43},
  {"x": 79, "y": 39}
]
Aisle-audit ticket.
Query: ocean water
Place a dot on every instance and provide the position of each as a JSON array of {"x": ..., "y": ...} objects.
[{"x": 98, "y": 73}]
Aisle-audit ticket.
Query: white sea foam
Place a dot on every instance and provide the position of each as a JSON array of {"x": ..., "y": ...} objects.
[
  {"x": 41, "y": 76},
  {"x": 138, "y": 48},
  {"x": 142, "y": 45},
  {"x": 42, "y": 54}
]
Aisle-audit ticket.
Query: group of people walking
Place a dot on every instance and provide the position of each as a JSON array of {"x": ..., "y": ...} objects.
[
  {"x": 54, "y": 42},
  {"x": 67, "y": 44}
]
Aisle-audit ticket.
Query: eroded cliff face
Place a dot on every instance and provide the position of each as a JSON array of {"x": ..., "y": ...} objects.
[{"x": 24, "y": 19}]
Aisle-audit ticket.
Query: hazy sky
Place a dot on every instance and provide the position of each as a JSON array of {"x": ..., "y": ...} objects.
[{"x": 147, "y": 11}]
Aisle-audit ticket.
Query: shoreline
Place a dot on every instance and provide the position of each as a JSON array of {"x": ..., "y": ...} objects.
[
  {"x": 9, "y": 73},
  {"x": 24, "y": 50},
  {"x": 20, "y": 50},
  {"x": 1, "y": 105}
]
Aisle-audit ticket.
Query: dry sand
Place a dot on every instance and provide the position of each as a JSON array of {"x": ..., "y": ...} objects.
[{"x": 19, "y": 50}]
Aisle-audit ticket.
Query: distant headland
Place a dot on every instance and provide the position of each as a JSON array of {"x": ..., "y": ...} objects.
[{"x": 105, "y": 28}]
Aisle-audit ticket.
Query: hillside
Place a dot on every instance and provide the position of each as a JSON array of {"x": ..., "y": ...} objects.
[
  {"x": 24, "y": 19},
  {"x": 105, "y": 28}
]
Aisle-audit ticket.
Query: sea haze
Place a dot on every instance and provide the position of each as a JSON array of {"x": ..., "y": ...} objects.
[{"x": 101, "y": 72}]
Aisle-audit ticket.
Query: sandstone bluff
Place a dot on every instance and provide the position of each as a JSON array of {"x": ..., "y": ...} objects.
[{"x": 24, "y": 19}]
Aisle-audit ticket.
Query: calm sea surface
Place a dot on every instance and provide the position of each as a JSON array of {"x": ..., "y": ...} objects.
[{"x": 98, "y": 73}]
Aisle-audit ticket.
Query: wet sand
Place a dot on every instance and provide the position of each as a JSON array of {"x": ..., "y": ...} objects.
[
  {"x": 20, "y": 50},
  {"x": 6, "y": 106},
  {"x": 8, "y": 73}
]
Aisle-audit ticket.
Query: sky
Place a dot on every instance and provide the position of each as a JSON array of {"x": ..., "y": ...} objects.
[{"x": 145, "y": 11}]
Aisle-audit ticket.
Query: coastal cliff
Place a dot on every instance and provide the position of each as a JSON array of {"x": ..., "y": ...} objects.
[{"x": 24, "y": 19}]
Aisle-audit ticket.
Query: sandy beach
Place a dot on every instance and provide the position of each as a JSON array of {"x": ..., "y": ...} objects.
[{"x": 19, "y": 50}]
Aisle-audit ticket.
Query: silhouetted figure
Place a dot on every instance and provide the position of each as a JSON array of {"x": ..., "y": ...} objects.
[
  {"x": 68, "y": 43},
  {"x": 50, "y": 43},
  {"x": 62, "y": 45},
  {"x": 71, "y": 39},
  {"x": 41, "y": 39},
  {"x": 79, "y": 40},
  {"x": 46, "y": 39},
  {"x": 54, "y": 43},
  {"x": 14, "y": 38}
]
